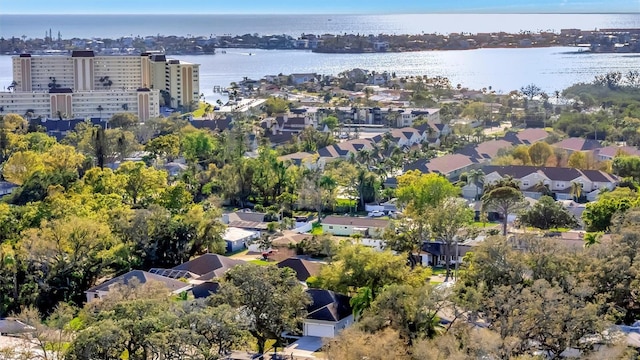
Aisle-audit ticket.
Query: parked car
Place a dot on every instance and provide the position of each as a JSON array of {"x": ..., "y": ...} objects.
[{"x": 376, "y": 213}]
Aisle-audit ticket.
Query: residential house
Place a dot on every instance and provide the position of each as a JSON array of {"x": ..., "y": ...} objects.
[
  {"x": 557, "y": 180},
  {"x": 433, "y": 253},
  {"x": 205, "y": 267},
  {"x": 175, "y": 168},
  {"x": 576, "y": 209},
  {"x": 527, "y": 136},
  {"x": 304, "y": 269},
  {"x": 206, "y": 289},
  {"x": 571, "y": 145},
  {"x": 238, "y": 239},
  {"x": 407, "y": 116},
  {"x": 485, "y": 152},
  {"x": 298, "y": 79},
  {"x": 202, "y": 273},
  {"x": 59, "y": 128},
  {"x": 135, "y": 278},
  {"x": 405, "y": 137},
  {"x": 303, "y": 158},
  {"x": 347, "y": 226},
  {"x": 279, "y": 138},
  {"x": 328, "y": 314},
  {"x": 435, "y": 130},
  {"x": 289, "y": 239},
  {"x": 12, "y": 326},
  {"x": 218, "y": 125},
  {"x": 609, "y": 152},
  {"x": 344, "y": 149},
  {"x": 248, "y": 220},
  {"x": 451, "y": 165}
]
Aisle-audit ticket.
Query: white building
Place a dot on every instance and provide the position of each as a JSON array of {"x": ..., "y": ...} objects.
[
  {"x": 85, "y": 85},
  {"x": 238, "y": 239}
]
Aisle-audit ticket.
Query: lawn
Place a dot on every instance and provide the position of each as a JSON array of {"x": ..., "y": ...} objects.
[
  {"x": 482, "y": 224},
  {"x": 262, "y": 262},
  {"x": 557, "y": 230},
  {"x": 316, "y": 229},
  {"x": 199, "y": 112},
  {"x": 239, "y": 252}
]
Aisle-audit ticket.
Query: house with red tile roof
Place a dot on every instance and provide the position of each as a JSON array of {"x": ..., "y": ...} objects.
[
  {"x": 609, "y": 152},
  {"x": 574, "y": 144}
]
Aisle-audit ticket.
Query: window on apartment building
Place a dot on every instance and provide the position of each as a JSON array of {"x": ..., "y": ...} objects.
[{"x": 525, "y": 183}]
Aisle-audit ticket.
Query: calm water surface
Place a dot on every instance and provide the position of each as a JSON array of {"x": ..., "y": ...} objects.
[{"x": 502, "y": 69}]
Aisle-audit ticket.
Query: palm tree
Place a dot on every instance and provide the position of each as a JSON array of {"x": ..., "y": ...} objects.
[
  {"x": 361, "y": 301},
  {"x": 543, "y": 188},
  {"x": 591, "y": 239},
  {"x": 13, "y": 85},
  {"x": 364, "y": 157},
  {"x": 576, "y": 190},
  {"x": 375, "y": 152},
  {"x": 476, "y": 177},
  {"x": 100, "y": 108}
]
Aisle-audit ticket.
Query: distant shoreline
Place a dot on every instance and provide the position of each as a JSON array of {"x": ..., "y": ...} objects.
[{"x": 613, "y": 40}]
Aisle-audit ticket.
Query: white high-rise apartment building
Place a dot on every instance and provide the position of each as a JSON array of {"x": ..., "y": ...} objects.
[{"x": 85, "y": 85}]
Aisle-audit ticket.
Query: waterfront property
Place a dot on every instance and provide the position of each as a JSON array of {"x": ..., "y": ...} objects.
[{"x": 85, "y": 85}]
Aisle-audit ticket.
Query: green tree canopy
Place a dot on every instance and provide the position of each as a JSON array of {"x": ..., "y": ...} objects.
[
  {"x": 358, "y": 266},
  {"x": 547, "y": 214},
  {"x": 270, "y": 298},
  {"x": 599, "y": 214},
  {"x": 276, "y": 105},
  {"x": 503, "y": 197}
]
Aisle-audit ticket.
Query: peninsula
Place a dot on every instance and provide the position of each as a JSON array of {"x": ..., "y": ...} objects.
[{"x": 596, "y": 41}]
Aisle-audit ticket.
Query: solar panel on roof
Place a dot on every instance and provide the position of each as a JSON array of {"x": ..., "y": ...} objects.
[{"x": 171, "y": 273}]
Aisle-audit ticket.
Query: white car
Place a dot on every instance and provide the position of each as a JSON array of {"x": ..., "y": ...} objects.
[{"x": 376, "y": 213}]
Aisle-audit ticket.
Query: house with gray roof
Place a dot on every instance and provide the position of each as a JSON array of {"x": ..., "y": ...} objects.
[
  {"x": 450, "y": 166},
  {"x": 135, "y": 278},
  {"x": 304, "y": 268},
  {"x": 349, "y": 225},
  {"x": 557, "y": 180},
  {"x": 527, "y": 136},
  {"x": 486, "y": 151},
  {"x": 434, "y": 253},
  {"x": 13, "y": 326},
  {"x": 208, "y": 266},
  {"x": 248, "y": 220},
  {"x": 344, "y": 149},
  {"x": 328, "y": 314}
]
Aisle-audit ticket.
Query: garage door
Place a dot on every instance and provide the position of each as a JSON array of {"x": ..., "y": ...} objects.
[{"x": 319, "y": 330}]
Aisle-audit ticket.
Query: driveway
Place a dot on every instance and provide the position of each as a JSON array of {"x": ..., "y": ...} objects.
[{"x": 303, "y": 348}]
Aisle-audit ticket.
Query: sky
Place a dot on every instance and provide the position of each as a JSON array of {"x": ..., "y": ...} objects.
[{"x": 314, "y": 7}]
